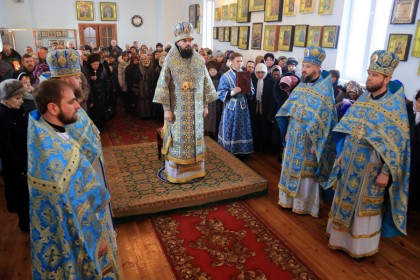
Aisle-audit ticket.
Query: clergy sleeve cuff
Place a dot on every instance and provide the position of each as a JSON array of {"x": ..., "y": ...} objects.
[
  {"x": 385, "y": 169},
  {"x": 166, "y": 107}
]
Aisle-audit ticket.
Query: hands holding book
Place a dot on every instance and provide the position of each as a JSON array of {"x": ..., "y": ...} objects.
[{"x": 235, "y": 91}]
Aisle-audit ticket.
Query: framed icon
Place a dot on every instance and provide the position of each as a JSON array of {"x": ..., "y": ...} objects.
[
  {"x": 404, "y": 11},
  {"x": 400, "y": 45},
  {"x": 256, "y": 5},
  {"x": 271, "y": 37},
  {"x": 243, "y": 15},
  {"x": 108, "y": 11},
  {"x": 330, "y": 36},
  {"x": 84, "y": 10},
  {"x": 59, "y": 33},
  {"x": 325, "y": 7},
  {"x": 227, "y": 34},
  {"x": 221, "y": 34},
  {"x": 256, "y": 37},
  {"x": 217, "y": 14},
  {"x": 314, "y": 36},
  {"x": 301, "y": 34},
  {"x": 194, "y": 13},
  {"x": 416, "y": 46},
  {"x": 225, "y": 12},
  {"x": 51, "y": 33},
  {"x": 243, "y": 39},
  {"x": 234, "y": 35},
  {"x": 273, "y": 10},
  {"x": 307, "y": 6},
  {"x": 215, "y": 30},
  {"x": 290, "y": 7},
  {"x": 286, "y": 36},
  {"x": 232, "y": 11}
]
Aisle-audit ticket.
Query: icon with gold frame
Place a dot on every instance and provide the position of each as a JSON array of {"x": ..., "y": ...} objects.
[
  {"x": 256, "y": 5},
  {"x": 416, "y": 46},
  {"x": 243, "y": 14},
  {"x": 215, "y": 29},
  {"x": 301, "y": 34},
  {"x": 307, "y": 6},
  {"x": 286, "y": 36},
  {"x": 227, "y": 34},
  {"x": 234, "y": 32},
  {"x": 290, "y": 7},
  {"x": 314, "y": 36},
  {"x": 243, "y": 39},
  {"x": 256, "y": 37},
  {"x": 271, "y": 36},
  {"x": 217, "y": 14},
  {"x": 221, "y": 34},
  {"x": 404, "y": 11},
  {"x": 84, "y": 10},
  {"x": 330, "y": 36},
  {"x": 108, "y": 11},
  {"x": 400, "y": 45},
  {"x": 325, "y": 7},
  {"x": 225, "y": 12},
  {"x": 232, "y": 11},
  {"x": 273, "y": 10}
]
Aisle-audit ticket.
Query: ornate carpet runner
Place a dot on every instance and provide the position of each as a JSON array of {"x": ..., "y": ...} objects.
[
  {"x": 135, "y": 188},
  {"x": 225, "y": 242}
]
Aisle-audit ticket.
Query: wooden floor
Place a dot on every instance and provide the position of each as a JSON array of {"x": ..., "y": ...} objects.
[{"x": 141, "y": 256}]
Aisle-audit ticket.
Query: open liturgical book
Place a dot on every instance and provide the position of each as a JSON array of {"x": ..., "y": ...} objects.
[{"x": 243, "y": 80}]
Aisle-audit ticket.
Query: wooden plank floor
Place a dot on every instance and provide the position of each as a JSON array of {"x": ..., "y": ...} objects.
[{"x": 141, "y": 256}]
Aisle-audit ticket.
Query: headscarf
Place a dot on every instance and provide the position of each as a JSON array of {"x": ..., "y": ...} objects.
[
  {"x": 291, "y": 81},
  {"x": 261, "y": 67},
  {"x": 276, "y": 67},
  {"x": 355, "y": 87}
]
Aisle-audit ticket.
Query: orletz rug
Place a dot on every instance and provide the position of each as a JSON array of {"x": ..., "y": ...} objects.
[
  {"x": 135, "y": 188},
  {"x": 225, "y": 242}
]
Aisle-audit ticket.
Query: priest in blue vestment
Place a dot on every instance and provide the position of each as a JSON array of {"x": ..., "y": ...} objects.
[
  {"x": 371, "y": 174},
  {"x": 306, "y": 119},
  {"x": 71, "y": 236}
]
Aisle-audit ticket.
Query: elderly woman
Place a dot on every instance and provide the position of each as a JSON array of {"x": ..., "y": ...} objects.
[
  {"x": 13, "y": 151},
  {"x": 353, "y": 91}
]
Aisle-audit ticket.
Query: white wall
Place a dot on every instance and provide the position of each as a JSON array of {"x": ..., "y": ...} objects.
[
  {"x": 406, "y": 71},
  {"x": 159, "y": 17},
  {"x": 310, "y": 19}
]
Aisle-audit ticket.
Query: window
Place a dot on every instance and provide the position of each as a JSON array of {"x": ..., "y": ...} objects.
[
  {"x": 207, "y": 23},
  {"x": 364, "y": 27}
]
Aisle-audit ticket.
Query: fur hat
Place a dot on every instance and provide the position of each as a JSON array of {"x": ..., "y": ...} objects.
[
  {"x": 10, "y": 88},
  {"x": 212, "y": 63},
  {"x": 95, "y": 57}
]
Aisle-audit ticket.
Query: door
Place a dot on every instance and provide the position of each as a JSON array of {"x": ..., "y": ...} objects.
[{"x": 97, "y": 35}]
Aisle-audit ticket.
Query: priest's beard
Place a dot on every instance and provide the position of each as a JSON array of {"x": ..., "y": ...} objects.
[
  {"x": 66, "y": 119},
  {"x": 373, "y": 88},
  {"x": 186, "y": 52}
]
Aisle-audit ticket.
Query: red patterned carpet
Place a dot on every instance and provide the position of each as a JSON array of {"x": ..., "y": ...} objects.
[{"x": 225, "y": 242}]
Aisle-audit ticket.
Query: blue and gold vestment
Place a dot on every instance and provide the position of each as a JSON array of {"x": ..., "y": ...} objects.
[
  {"x": 308, "y": 116},
  {"x": 67, "y": 209},
  {"x": 373, "y": 125},
  {"x": 185, "y": 88}
]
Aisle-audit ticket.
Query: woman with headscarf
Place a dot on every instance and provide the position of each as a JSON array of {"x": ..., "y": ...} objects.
[
  {"x": 212, "y": 120},
  {"x": 145, "y": 104},
  {"x": 13, "y": 149},
  {"x": 97, "y": 78},
  {"x": 41, "y": 73},
  {"x": 276, "y": 73},
  {"x": 262, "y": 128},
  {"x": 353, "y": 91},
  {"x": 132, "y": 78},
  {"x": 281, "y": 91}
]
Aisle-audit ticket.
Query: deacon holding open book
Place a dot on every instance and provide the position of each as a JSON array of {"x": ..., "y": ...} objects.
[{"x": 235, "y": 89}]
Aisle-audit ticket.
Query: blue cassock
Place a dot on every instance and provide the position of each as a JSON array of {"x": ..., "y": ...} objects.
[
  {"x": 308, "y": 116},
  {"x": 67, "y": 208},
  {"x": 380, "y": 125},
  {"x": 235, "y": 130}
]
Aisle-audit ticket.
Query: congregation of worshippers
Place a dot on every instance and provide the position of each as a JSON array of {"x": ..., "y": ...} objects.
[{"x": 126, "y": 77}]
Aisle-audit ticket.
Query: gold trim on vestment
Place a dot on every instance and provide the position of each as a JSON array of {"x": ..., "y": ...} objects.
[
  {"x": 344, "y": 229},
  {"x": 353, "y": 255},
  {"x": 288, "y": 192},
  {"x": 185, "y": 161},
  {"x": 65, "y": 178},
  {"x": 186, "y": 179},
  {"x": 304, "y": 212}
]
